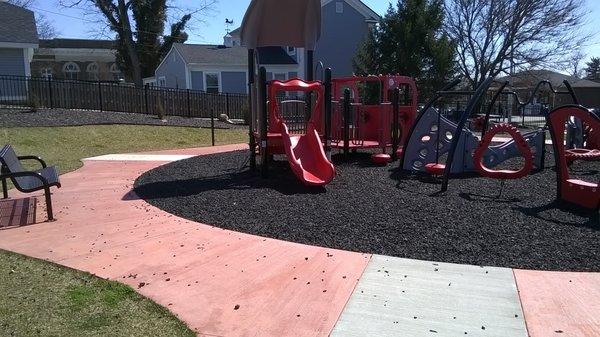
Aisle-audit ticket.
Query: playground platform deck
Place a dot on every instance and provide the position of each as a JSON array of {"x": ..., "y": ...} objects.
[{"x": 224, "y": 283}]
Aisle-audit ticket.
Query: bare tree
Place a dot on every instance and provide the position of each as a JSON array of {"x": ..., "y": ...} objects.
[
  {"x": 503, "y": 36},
  {"x": 139, "y": 28},
  {"x": 45, "y": 27},
  {"x": 574, "y": 67}
]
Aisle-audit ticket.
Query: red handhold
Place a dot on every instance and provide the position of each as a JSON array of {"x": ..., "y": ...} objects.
[
  {"x": 435, "y": 169},
  {"x": 521, "y": 145},
  {"x": 381, "y": 158}
]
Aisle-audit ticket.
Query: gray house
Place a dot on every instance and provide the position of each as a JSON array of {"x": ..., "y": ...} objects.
[
  {"x": 344, "y": 26},
  {"x": 213, "y": 68},
  {"x": 219, "y": 68},
  {"x": 18, "y": 39}
]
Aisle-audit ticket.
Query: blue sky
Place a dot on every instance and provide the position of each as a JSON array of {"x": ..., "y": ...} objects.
[{"x": 72, "y": 23}]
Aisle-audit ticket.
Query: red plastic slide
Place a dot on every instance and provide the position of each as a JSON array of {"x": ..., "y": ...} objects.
[{"x": 306, "y": 156}]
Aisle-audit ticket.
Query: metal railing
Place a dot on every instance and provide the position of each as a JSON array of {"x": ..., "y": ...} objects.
[{"x": 17, "y": 91}]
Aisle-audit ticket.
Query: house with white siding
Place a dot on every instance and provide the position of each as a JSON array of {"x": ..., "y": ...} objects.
[
  {"x": 223, "y": 68},
  {"x": 18, "y": 39}
]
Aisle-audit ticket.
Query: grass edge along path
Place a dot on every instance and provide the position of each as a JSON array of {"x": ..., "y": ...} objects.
[
  {"x": 39, "y": 298},
  {"x": 44, "y": 299},
  {"x": 66, "y": 146}
]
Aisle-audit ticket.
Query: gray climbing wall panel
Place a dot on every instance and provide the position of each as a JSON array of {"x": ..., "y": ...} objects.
[{"x": 421, "y": 148}]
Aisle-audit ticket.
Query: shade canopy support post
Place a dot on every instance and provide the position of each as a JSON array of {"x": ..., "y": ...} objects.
[
  {"x": 328, "y": 107},
  {"x": 262, "y": 89},
  {"x": 395, "y": 122},
  {"x": 252, "y": 110},
  {"x": 346, "y": 131},
  {"x": 310, "y": 76}
]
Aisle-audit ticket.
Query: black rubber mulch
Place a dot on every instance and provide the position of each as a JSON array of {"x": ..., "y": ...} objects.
[
  {"x": 379, "y": 210},
  {"x": 64, "y": 117}
]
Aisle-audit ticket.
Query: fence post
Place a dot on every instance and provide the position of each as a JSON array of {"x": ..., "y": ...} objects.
[
  {"x": 212, "y": 126},
  {"x": 146, "y": 97},
  {"x": 51, "y": 100},
  {"x": 227, "y": 105},
  {"x": 100, "y": 95},
  {"x": 189, "y": 107}
]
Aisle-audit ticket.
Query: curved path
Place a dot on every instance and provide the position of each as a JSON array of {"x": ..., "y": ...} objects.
[{"x": 223, "y": 283}]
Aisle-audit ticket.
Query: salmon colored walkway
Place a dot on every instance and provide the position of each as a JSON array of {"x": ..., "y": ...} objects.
[
  {"x": 223, "y": 283},
  {"x": 560, "y": 304}
]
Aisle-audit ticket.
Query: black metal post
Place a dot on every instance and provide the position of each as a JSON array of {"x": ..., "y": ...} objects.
[
  {"x": 227, "y": 105},
  {"x": 189, "y": 105},
  {"x": 51, "y": 100},
  {"x": 310, "y": 70},
  {"x": 212, "y": 126},
  {"x": 4, "y": 189},
  {"x": 310, "y": 76},
  {"x": 252, "y": 119},
  {"x": 146, "y": 97},
  {"x": 328, "y": 107},
  {"x": 262, "y": 84},
  {"x": 346, "y": 122},
  {"x": 395, "y": 122},
  {"x": 100, "y": 95}
]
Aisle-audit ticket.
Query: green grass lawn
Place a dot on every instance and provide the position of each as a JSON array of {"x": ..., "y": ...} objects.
[
  {"x": 42, "y": 299},
  {"x": 38, "y": 298},
  {"x": 65, "y": 146}
]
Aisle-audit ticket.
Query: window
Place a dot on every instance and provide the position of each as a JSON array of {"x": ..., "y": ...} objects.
[
  {"x": 291, "y": 51},
  {"x": 212, "y": 83},
  {"x": 162, "y": 82},
  {"x": 116, "y": 72},
  {"x": 71, "y": 70},
  {"x": 92, "y": 71},
  {"x": 46, "y": 73},
  {"x": 280, "y": 76},
  {"x": 339, "y": 7}
]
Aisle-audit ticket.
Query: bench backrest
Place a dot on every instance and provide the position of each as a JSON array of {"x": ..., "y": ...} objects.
[{"x": 9, "y": 160}]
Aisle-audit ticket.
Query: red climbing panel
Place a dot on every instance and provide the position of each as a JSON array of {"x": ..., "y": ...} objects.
[
  {"x": 579, "y": 192},
  {"x": 521, "y": 144}
]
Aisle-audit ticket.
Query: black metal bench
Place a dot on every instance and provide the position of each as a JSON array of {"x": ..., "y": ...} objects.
[{"x": 27, "y": 181}]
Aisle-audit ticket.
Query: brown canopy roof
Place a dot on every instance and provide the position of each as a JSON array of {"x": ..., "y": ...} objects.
[{"x": 292, "y": 23}]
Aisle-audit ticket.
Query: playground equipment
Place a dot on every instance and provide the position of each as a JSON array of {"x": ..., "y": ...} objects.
[
  {"x": 379, "y": 122},
  {"x": 304, "y": 151},
  {"x": 576, "y": 191},
  {"x": 269, "y": 133},
  {"x": 434, "y": 136}
]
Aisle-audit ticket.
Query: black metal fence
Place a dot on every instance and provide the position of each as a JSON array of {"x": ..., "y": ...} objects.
[
  {"x": 16, "y": 91},
  {"x": 505, "y": 110}
]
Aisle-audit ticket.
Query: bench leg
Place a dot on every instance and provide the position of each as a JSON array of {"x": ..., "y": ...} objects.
[
  {"x": 4, "y": 189},
  {"x": 48, "y": 203}
]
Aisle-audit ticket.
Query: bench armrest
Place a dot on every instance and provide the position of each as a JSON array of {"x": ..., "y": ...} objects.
[
  {"x": 36, "y": 158},
  {"x": 25, "y": 174}
]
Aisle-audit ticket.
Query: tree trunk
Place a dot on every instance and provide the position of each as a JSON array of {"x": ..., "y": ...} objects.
[{"x": 126, "y": 33}]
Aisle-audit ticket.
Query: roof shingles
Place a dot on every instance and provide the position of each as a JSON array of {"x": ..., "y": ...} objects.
[
  {"x": 221, "y": 55},
  {"x": 17, "y": 25}
]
